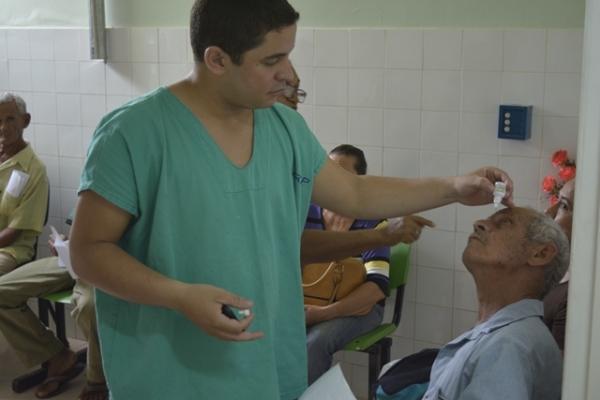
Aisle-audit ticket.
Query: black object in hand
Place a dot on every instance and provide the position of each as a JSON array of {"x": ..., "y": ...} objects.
[{"x": 225, "y": 309}]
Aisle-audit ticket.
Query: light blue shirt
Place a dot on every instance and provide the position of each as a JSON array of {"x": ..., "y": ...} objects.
[{"x": 512, "y": 356}]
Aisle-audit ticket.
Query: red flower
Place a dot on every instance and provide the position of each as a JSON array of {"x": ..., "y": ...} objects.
[
  {"x": 553, "y": 200},
  {"x": 549, "y": 184},
  {"x": 559, "y": 158},
  {"x": 566, "y": 173}
]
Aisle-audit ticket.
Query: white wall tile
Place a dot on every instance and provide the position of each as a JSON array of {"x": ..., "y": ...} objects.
[
  {"x": 560, "y": 133},
  {"x": 406, "y": 328},
  {"x": 19, "y": 75},
  {"x": 404, "y": 48},
  {"x": 481, "y": 91},
  {"x": 439, "y": 130},
  {"x": 442, "y": 49},
  {"x": 525, "y": 173},
  {"x": 118, "y": 79},
  {"x": 144, "y": 77},
  {"x": 144, "y": 45},
  {"x": 564, "y": 50},
  {"x": 303, "y": 54},
  {"x": 400, "y": 163},
  {"x": 471, "y": 162},
  {"x": 478, "y": 133},
  {"x": 365, "y": 88},
  {"x": 441, "y": 90},
  {"x": 374, "y": 156},
  {"x": 93, "y": 108},
  {"x": 3, "y": 45},
  {"x": 83, "y": 48},
  {"x": 4, "y": 75},
  {"x": 465, "y": 293},
  {"x": 437, "y": 163},
  {"x": 525, "y": 88},
  {"x": 308, "y": 113},
  {"x": 45, "y": 108},
  {"x": 66, "y": 44},
  {"x": 41, "y": 42},
  {"x": 115, "y": 101},
  {"x": 401, "y": 348},
  {"x": 444, "y": 218},
  {"x": 433, "y": 324},
  {"x": 70, "y": 171},
  {"x": 118, "y": 45},
  {"x": 46, "y": 139},
  {"x": 70, "y": 141},
  {"x": 463, "y": 321},
  {"x": 436, "y": 249},
  {"x": 331, "y": 124},
  {"x": 401, "y": 128},
  {"x": 562, "y": 93},
  {"x": 52, "y": 169},
  {"x": 17, "y": 44},
  {"x": 331, "y": 47},
  {"x": 68, "y": 109},
  {"x": 466, "y": 216},
  {"x": 410, "y": 290},
  {"x": 367, "y": 48},
  {"x": 172, "y": 45},
  {"x": 93, "y": 77},
  {"x": 331, "y": 86},
  {"x": 435, "y": 286},
  {"x": 68, "y": 199},
  {"x": 67, "y": 77},
  {"x": 525, "y": 50},
  {"x": 365, "y": 126},
  {"x": 482, "y": 50},
  {"x": 171, "y": 73},
  {"x": 43, "y": 76},
  {"x": 402, "y": 89}
]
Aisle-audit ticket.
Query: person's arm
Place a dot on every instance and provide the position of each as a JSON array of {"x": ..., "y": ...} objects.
[
  {"x": 373, "y": 197},
  {"x": 323, "y": 246},
  {"x": 8, "y": 236},
  {"x": 359, "y": 302},
  {"x": 97, "y": 259}
]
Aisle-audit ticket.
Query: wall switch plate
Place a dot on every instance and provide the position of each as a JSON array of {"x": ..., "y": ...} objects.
[{"x": 514, "y": 122}]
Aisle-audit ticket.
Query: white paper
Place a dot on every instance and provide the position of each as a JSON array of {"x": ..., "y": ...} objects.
[
  {"x": 16, "y": 183},
  {"x": 62, "y": 248},
  {"x": 330, "y": 386}
]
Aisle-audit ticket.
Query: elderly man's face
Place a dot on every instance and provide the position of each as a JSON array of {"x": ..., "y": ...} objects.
[
  {"x": 499, "y": 239},
  {"x": 12, "y": 123}
]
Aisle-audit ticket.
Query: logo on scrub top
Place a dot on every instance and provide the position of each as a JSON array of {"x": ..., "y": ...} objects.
[{"x": 300, "y": 179}]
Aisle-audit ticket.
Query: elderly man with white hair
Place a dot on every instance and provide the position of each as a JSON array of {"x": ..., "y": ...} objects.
[
  {"x": 515, "y": 256},
  {"x": 23, "y": 186}
]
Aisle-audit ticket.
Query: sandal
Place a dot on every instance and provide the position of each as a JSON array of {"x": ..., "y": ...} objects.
[
  {"x": 94, "y": 391},
  {"x": 56, "y": 384}
]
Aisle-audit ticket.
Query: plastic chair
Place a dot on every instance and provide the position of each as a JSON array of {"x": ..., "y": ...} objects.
[{"x": 377, "y": 342}]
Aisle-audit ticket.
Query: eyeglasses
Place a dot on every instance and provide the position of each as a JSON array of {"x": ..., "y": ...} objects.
[{"x": 301, "y": 95}]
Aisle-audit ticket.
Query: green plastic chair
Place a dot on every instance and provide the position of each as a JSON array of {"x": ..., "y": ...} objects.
[{"x": 378, "y": 343}]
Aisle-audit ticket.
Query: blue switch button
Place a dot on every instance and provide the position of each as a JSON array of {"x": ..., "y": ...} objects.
[{"x": 514, "y": 122}]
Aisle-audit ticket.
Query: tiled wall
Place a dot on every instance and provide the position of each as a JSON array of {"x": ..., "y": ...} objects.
[{"x": 421, "y": 102}]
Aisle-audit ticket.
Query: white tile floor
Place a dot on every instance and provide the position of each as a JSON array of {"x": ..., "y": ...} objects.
[{"x": 11, "y": 367}]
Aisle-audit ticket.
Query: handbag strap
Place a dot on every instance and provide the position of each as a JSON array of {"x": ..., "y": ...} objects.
[{"x": 319, "y": 279}]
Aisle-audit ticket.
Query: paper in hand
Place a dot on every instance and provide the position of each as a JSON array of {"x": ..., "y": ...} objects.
[
  {"x": 330, "y": 386},
  {"x": 62, "y": 248}
]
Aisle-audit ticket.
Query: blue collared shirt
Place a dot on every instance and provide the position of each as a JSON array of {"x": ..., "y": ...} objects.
[{"x": 512, "y": 356}]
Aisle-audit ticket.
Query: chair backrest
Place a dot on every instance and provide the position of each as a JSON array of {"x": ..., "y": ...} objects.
[{"x": 399, "y": 267}]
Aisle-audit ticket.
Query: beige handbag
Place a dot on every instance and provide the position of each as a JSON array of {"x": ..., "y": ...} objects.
[{"x": 325, "y": 283}]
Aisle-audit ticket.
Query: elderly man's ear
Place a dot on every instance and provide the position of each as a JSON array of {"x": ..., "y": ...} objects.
[{"x": 542, "y": 254}]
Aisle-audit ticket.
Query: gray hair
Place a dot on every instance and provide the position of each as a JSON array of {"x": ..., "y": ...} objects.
[
  {"x": 542, "y": 230},
  {"x": 18, "y": 100}
]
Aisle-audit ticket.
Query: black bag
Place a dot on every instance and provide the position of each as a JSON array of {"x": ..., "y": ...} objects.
[{"x": 410, "y": 370}]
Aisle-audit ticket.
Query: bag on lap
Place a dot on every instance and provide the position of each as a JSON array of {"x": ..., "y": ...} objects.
[{"x": 325, "y": 283}]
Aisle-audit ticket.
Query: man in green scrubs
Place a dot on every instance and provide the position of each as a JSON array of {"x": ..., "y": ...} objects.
[{"x": 195, "y": 196}]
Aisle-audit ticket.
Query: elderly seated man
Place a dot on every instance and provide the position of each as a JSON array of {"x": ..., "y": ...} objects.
[{"x": 515, "y": 256}]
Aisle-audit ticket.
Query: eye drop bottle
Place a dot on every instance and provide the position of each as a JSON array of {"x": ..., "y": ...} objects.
[{"x": 499, "y": 193}]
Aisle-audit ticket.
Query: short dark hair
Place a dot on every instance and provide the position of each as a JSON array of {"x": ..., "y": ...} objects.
[
  {"x": 236, "y": 26},
  {"x": 348, "y": 150}
]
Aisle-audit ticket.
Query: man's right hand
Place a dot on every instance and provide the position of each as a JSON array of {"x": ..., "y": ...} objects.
[
  {"x": 404, "y": 229},
  {"x": 202, "y": 304}
]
